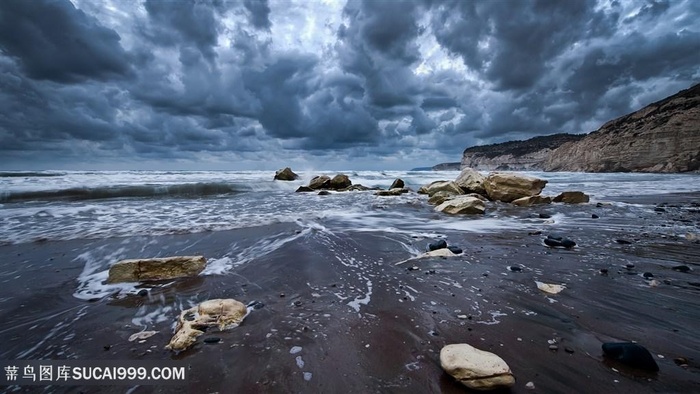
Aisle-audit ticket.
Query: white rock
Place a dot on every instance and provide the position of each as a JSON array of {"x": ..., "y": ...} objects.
[
  {"x": 474, "y": 368},
  {"x": 462, "y": 205},
  {"x": 550, "y": 288}
]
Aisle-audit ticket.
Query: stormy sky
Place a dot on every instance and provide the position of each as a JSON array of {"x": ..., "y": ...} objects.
[{"x": 323, "y": 84}]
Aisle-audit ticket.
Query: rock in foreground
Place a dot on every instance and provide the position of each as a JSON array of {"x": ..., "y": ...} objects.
[
  {"x": 532, "y": 200},
  {"x": 631, "y": 354},
  {"x": 340, "y": 181},
  {"x": 437, "y": 186},
  {"x": 138, "y": 270},
  {"x": 462, "y": 205},
  {"x": 474, "y": 368},
  {"x": 286, "y": 174},
  {"x": 221, "y": 313},
  {"x": 471, "y": 181},
  {"x": 509, "y": 187}
]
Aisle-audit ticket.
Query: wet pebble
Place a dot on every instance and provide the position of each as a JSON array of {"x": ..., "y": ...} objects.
[
  {"x": 681, "y": 361},
  {"x": 647, "y": 275},
  {"x": 297, "y": 303},
  {"x": 536, "y": 232},
  {"x": 553, "y": 348},
  {"x": 569, "y": 350},
  {"x": 212, "y": 340},
  {"x": 623, "y": 241},
  {"x": 659, "y": 209},
  {"x": 681, "y": 268},
  {"x": 255, "y": 304},
  {"x": 530, "y": 385},
  {"x": 545, "y": 216},
  {"x": 514, "y": 268},
  {"x": 631, "y": 354},
  {"x": 603, "y": 271},
  {"x": 455, "y": 249},
  {"x": 629, "y": 266},
  {"x": 282, "y": 295},
  {"x": 143, "y": 292},
  {"x": 594, "y": 216},
  {"x": 439, "y": 244}
]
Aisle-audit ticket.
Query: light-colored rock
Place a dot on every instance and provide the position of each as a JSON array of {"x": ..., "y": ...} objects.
[
  {"x": 142, "y": 335},
  {"x": 139, "y": 270},
  {"x": 286, "y": 174},
  {"x": 532, "y": 200},
  {"x": 550, "y": 288},
  {"x": 474, "y": 368},
  {"x": 572, "y": 198},
  {"x": 434, "y": 187},
  {"x": 444, "y": 252},
  {"x": 320, "y": 182},
  {"x": 221, "y": 313},
  {"x": 340, "y": 181},
  {"x": 471, "y": 181},
  {"x": 508, "y": 187},
  {"x": 462, "y": 205},
  {"x": 440, "y": 197}
]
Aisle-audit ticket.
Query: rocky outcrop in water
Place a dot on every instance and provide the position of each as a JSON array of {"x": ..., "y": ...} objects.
[
  {"x": 139, "y": 270},
  {"x": 661, "y": 137}
]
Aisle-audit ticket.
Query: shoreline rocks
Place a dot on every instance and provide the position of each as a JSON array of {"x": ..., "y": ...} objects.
[
  {"x": 572, "y": 198},
  {"x": 162, "y": 268},
  {"x": 508, "y": 187},
  {"x": 462, "y": 205},
  {"x": 532, "y": 200},
  {"x": 449, "y": 187},
  {"x": 285, "y": 174},
  {"x": 471, "y": 181},
  {"x": 474, "y": 368},
  {"x": 632, "y": 354},
  {"x": 222, "y": 313}
]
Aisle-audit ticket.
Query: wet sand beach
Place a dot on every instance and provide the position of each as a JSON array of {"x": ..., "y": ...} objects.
[{"x": 340, "y": 316}]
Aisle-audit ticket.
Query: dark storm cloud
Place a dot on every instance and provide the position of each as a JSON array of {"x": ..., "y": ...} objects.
[
  {"x": 55, "y": 41},
  {"x": 259, "y": 13},
  {"x": 189, "y": 80}
]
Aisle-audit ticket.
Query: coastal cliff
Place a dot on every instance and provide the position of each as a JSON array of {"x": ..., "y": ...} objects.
[{"x": 661, "y": 137}]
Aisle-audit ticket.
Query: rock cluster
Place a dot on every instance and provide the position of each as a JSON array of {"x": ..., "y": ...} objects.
[
  {"x": 139, "y": 270},
  {"x": 286, "y": 174}
]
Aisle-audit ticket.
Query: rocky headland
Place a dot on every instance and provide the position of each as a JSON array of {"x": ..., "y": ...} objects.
[{"x": 661, "y": 137}]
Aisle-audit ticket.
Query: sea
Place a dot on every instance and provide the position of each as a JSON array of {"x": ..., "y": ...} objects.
[{"x": 328, "y": 269}]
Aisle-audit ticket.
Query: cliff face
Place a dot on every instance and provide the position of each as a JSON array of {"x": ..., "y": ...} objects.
[
  {"x": 661, "y": 137},
  {"x": 515, "y": 155}
]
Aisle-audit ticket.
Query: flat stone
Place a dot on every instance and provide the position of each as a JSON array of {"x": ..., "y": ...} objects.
[
  {"x": 631, "y": 354},
  {"x": 162, "y": 268}
]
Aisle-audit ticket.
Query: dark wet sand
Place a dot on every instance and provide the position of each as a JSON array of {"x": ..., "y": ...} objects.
[{"x": 393, "y": 343}]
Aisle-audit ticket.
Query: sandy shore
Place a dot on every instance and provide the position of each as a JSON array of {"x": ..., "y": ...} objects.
[{"x": 366, "y": 325}]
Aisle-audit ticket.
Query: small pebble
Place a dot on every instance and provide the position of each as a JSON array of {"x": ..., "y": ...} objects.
[
  {"x": 594, "y": 216},
  {"x": 680, "y": 361},
  {"x": 297, "y": 303},
  {"x": 143, "y": 292},
  {"x": 530, "y": 385},
  {"x": 629, "y": 266},
  {"x": 647, "y": 275},
  {"x": 569, "y": 350},
  {"x": 514, "y": 268},
  {"x": 681, "y": 268},
  {"x": 553, "y": 347},
  {"x": 545, "y": 216},
  {"x": 623, "y": 241},
  {"x": 212, "y": 340},
  {"x": 281, "y": 295},
  {"x": 604, "y": 271}
]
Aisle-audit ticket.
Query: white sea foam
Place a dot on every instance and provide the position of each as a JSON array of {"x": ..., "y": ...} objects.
[{"x": 355, "y": 304}]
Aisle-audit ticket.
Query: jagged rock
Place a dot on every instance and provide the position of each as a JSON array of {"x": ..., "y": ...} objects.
[
  {"x": 474, "y": 368},
  {"x": 440, "y": 197},
  {"x": 357, "y": 187},
  {"x": 509, "y": 187},
  {"x": 222, "y": 313},
  {"x": 304, "y": 189},
  {"x": 138, "y": 270},
  {"x": 391, "y": 192},
  {"x": 572, "y": 198},
  {"x": 320, "y": 182},
  {"x": 398, "y": 183},
  {"x": 462, "y": 205},
  {"x": 532, "y": 200},
  {"x": 286, "y": 174},
  {"x": 340, "y": 181},
  {"x": 437, "y": 186},
  {"x": 471, "y": 181}
]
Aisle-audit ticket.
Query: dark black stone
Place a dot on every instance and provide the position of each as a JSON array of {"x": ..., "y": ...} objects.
[
  {"x": 604, "y": 271},
  {"x": 514, "y": 268},
  {"x": 455, "y": 249},
  {"x": 143, "y": 292},
  {"x": 647, "y": 275},
  {"x": 324, "y": 193},
  {"x": 659, "y": 209},
  {"x": 681, "y": 268},
  {"x": 545, "y": 216},
  {"x": 212, "y": 340},
  {"x": 631, "y": 354},
  {"x": 297, "y": 303},
  {"x": 629, "y": 266},
  {"x": 567, "y": 243},
  {"x": 555, "y": 241},
  {"x": 439, "y": 244},
  {"x": 558, "y": 237},
  {"x": 106, "y": 347},
  {"x": 594, "y": 216},
  {"x": 623, "y": 241},
  {"x": 552, "y": 242},
  {"x": 303, "y": 189},
  {"x": 255, "y": 304}
]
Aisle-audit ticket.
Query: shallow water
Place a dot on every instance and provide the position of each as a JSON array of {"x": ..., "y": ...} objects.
[{"x": 339, "y": 315}]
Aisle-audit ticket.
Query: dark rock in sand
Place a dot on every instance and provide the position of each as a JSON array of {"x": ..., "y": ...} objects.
[
  {"x": 143, "y": 292},
  {"x": 604, "y": 271},
  {"x": 320, "y": 182},
  {"x": 545, "y": 216},
  {"x": 629, "y": 266},
  {"x": 455, "y": 249},
  {"x": 555, "y": 240},
  {"x": 397, "y": 184},
  {"x": 631, "y": 354},
  {"x": 340, "y": 181},
  {"x": 324, "y": 193},
  {"x": 255, "y": 305},
  {"x": 286, "y": 174},
  {"x": 681, "y": 268},
  {"x": 659, "y": 209},
  {"x": 647, "y": 275},
  {"x": 439, "y": 244},
  {"x": 212, "y": 340},
  {"x": 594, "y": 216},
  {"x": 623, "y": 241},
  {"x": 303, "y": 189},
  {"x": 514, "y": 268}
]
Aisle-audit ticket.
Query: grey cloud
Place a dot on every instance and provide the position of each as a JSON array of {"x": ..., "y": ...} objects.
[
  {"x": 259, "y": 13},
  {"x": 53, "y": 40}
]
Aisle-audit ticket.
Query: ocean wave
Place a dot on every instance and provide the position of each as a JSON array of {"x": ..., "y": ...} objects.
[
  {"x": 104, "y": 192},
  {"x": 29, "y": 174}
]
